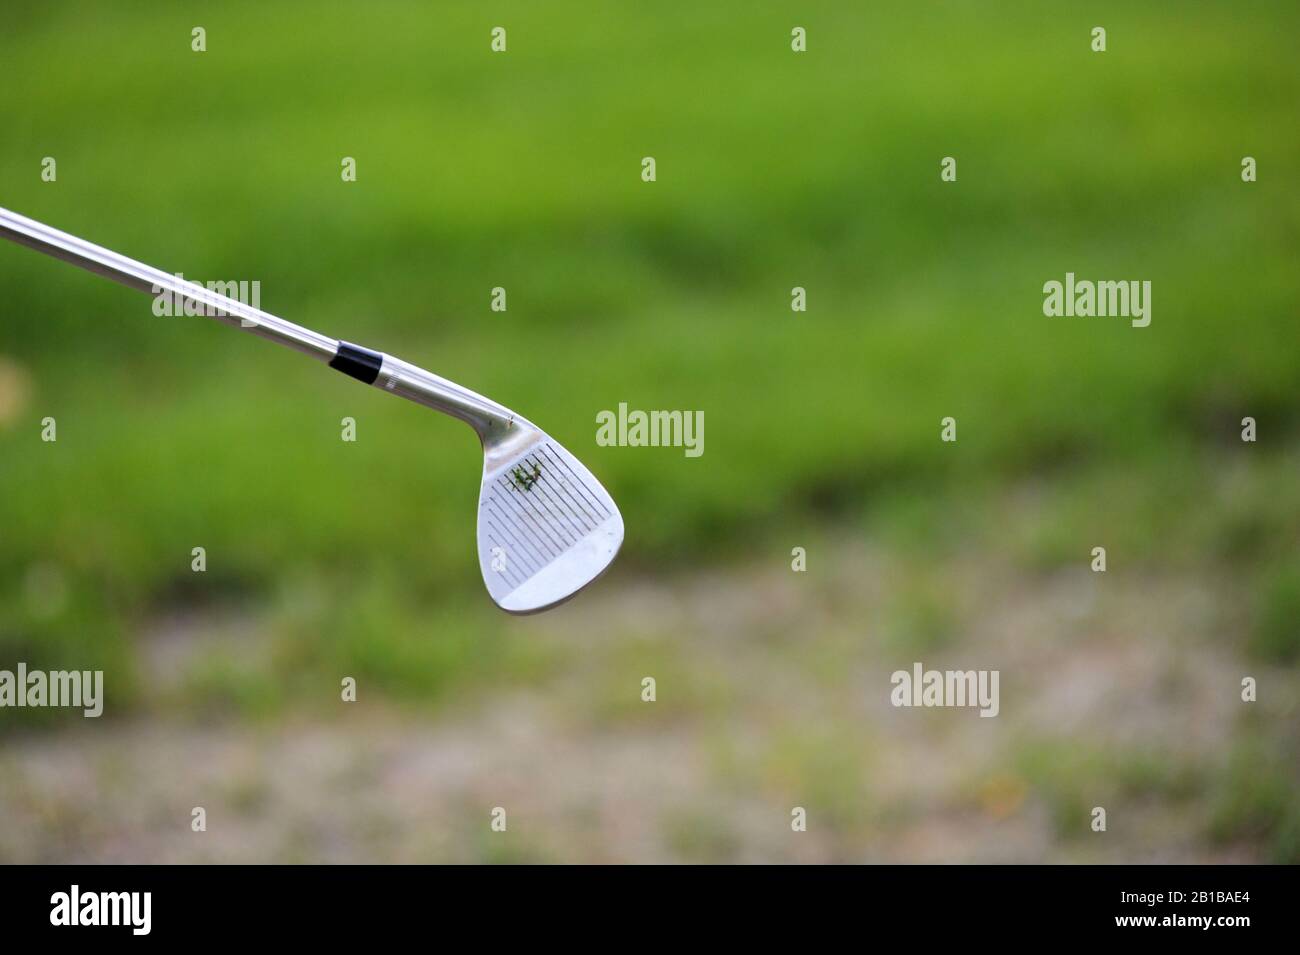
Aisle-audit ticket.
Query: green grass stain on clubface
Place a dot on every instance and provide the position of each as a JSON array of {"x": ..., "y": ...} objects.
[{"x": 525, "y": 481}]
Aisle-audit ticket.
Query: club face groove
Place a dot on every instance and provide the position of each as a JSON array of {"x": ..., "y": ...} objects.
[{"x": 546, "y": 526}]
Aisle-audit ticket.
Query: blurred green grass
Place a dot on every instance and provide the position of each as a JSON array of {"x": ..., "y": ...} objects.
[{"x": 522, "y": 170}]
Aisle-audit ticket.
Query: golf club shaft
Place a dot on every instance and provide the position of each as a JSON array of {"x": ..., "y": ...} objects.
[
  {"x": 374, "y": 368},
  {"x": 144, "y": 278}
]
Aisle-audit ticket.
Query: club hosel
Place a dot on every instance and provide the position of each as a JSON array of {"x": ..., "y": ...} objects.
[{"x": 423, "y": 387}]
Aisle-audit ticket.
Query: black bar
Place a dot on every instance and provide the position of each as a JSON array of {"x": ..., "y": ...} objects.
[
  {"x": 360, "y": 363},
  {"x": 978, "y": 906}
]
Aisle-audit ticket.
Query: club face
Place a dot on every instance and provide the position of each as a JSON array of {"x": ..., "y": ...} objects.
[{"x": 546, "y": 526}]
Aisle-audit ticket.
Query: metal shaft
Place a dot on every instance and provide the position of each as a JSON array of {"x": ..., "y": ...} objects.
[
  {"x": 147, "y": 279},
  {"x": 487, "y": 417}
]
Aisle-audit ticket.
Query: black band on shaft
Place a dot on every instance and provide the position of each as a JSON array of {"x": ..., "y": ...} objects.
[{"x": 361, "y": 363}]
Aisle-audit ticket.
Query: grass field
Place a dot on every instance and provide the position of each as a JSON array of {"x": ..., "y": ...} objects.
[{"x": 774, "y": 170}]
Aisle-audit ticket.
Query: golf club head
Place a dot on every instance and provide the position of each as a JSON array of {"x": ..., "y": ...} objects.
[{"x": 546, "y": 526}]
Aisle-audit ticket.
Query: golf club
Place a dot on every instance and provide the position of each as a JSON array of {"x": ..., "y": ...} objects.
[{"x": 546, "y": 526}]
